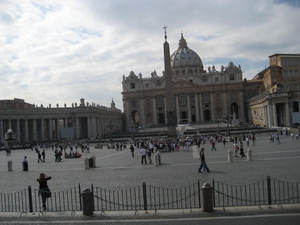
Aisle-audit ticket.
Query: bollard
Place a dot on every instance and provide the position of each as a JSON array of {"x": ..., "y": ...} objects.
[
  {"x": 94, "y": 160},
  {"x": 9, "y": 165},
  {"x": 86, "y": 163},
  {"x": 157, "y": 160},
  {"x": 230, "y": 156},
  {"x": 87, "y": 202},
  {"x": 207, "y": 198},
  {"x": 249, "y": 154}
]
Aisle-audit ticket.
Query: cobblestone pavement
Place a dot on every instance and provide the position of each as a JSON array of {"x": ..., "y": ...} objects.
[{"x": 119, "y": 169}]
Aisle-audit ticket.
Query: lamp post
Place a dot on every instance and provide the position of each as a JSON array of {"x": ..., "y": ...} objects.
[
  {"x": 218, "y": 120},
  {"x": 226, "y": 116},
  {"x": 133, "y": 126},
  {"x": 110, "y": 124}
]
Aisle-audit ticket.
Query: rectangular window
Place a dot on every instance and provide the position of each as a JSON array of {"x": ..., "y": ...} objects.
[
  {"x": 160, "y": 102},
  {"x": 182, "y": 100},
  {"x": 147, "y": 85},
  {"x": 206, "y": 98},
  {"x": 217, "y": 80},
  {"x": 132, "y": 85},
  {"x": 231, "y": 77},
  {"x": 158, "y": 84}
]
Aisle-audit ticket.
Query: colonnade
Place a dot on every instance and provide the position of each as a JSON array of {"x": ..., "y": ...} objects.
[
  {"x": 271, "y": 114},
  {"x": 41, "y": 129}
]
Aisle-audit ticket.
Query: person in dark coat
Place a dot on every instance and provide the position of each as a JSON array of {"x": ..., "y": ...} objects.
[{"x": 44, "y": 190}]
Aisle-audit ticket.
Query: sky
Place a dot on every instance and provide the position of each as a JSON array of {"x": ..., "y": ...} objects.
[{"x": 59, "y": 51}]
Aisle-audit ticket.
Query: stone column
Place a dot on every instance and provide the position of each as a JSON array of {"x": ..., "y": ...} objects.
[
  {"x": 89, "y": 124},
  {"x": 201, "y": 107},
  {"x": 34, "y": 129},
  {"x": 1, "y": 132},
  {"x": 9, "y": 124},
  {"x": 77, "y": 125},
  {"x": 212, "y": 109},
  {"x": 50, "y": 129},
  {"x": 142, "y": 114},
  {"x": 241, "y": 107},
  {"x": 128, "y": 114},
  {"x": 189, "y": 109},
  {"x": 287, "y": 114},
  {"x": 57, "y": 129},
  {"x": 42, "y": 130},
  {"x": 274, "y": 114},
  {"x": 18, "y": 131},
  {"x": 154, "y": 111},
  {"x": 197, "y": 107},
  {"x": 26, "y": 131},
  {"x": 269, "y": 115}
]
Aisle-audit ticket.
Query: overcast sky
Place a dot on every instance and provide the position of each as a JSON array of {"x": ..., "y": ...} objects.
[{"x": 59, "y": 51}]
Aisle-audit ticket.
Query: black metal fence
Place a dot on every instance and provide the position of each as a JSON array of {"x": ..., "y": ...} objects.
[{"x": 148, "y": 197}]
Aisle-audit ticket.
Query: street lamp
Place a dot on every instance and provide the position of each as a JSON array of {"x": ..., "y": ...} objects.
[
  {"x": 133, "y": 126},
  {"x": 226, "y": 116},
  {"x": 218, "y": 120},
  {"x": 110, "y": 124}
]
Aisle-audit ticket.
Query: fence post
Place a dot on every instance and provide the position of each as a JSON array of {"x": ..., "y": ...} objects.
[
  {"x": 145, "y": 196},
  {"x": 30, "y": 199},
  {"x": 92, "y": 187},
  {"x": 199, "y": 193},
  {"x": 213, "y": 192},
  {"x": 269, "y": 190},
  {"x": 80, "y": 202}
]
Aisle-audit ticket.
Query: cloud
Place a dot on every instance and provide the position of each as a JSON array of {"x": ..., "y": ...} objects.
[{"x": 60, "y": 51}]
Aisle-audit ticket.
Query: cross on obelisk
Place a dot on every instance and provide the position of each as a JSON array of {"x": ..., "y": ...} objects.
[{"x": 165, "y": 28}]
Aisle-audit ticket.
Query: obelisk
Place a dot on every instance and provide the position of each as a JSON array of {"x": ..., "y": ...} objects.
[{"x": 171, "y": 111}]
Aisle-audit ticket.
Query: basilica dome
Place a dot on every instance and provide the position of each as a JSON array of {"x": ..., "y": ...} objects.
[{"x": 185, "y": 57}]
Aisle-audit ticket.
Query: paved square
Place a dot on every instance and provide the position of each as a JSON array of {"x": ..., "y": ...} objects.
[{"x": 118, "y": 169}]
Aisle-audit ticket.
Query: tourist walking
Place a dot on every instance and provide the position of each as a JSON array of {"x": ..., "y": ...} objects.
[
  {"x": 236, "y": 149},
  {"x": 224, "y": 141},
  {"x": 25, "y": 163},
  {"x": 203, "y": 162},
  {"x": 39, "y": 156},
  {"x": 132, "y": 150},
  {"x": 44, "y": 190},
  {"x": 44, "y": 155},
  {"x": 149, "y": 155},
  {"x": 143, "y": 154},
  {"x": 242, "y": 149},
  {"x": 247, "y": 141},
  {"x": 213, "y": 145}
]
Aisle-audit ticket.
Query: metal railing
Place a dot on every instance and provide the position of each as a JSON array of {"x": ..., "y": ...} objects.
[{"x": 148, "y": 197}]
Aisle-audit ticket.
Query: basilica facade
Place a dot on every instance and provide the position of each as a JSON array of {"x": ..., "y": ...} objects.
[
  {"x": 211, "y": 95},
  {"x": 200, "y": 95}
]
